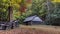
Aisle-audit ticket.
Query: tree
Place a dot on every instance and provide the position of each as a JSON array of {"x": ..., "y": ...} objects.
[
  {"x": 39, "y": 8},
  {"x": 8, "y": 7},
  {"x": 14, "y": 6},
  {"x": 3, "y": 9},
  {"x": 52, "y": 17}
]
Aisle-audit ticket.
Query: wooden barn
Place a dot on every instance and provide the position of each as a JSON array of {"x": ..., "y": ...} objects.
[{"x": 32, "y": 20}]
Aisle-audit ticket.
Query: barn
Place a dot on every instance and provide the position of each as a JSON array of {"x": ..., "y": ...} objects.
[{"x": 32, "y": 20}]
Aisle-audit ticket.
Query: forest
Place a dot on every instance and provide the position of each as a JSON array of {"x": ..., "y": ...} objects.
[{"x": 47, "y": 10}]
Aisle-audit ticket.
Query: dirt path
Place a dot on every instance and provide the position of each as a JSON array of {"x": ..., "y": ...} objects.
[{"x": 32, "y": 30}]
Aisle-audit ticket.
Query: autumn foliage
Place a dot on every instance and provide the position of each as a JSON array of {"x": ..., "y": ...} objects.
[
  {"x": 29, "y": 1},
  {"x": 22, "y": 8},
  {"x": 24, "y": 5}
]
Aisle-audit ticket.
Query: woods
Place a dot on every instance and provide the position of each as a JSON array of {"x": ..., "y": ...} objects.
[{"x": 48, "y": 10}]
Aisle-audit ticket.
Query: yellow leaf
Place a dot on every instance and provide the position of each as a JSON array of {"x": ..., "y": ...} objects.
[
  {"x": 4, "y": 0},
  {"x": 18, "y": 1},
  {"x": 56, "y": 1}
]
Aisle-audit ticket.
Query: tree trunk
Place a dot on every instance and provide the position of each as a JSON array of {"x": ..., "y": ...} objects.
[{"x": 10, "y": 13}]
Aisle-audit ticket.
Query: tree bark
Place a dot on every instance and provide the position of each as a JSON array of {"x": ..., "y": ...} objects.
[{"x": 10, "y": 13}]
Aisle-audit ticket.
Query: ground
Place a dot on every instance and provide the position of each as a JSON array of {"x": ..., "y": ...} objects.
[{"x": 36, "y": 29}]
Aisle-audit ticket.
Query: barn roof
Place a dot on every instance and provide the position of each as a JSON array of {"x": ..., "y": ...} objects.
[{"x": 33, "y": 18}]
